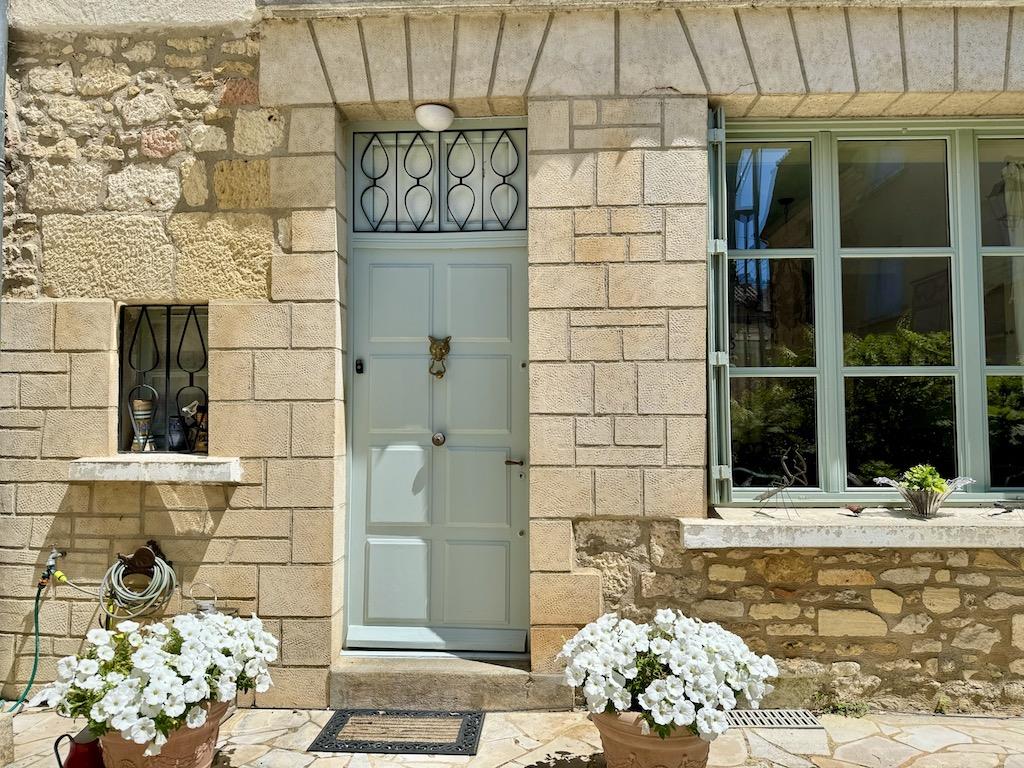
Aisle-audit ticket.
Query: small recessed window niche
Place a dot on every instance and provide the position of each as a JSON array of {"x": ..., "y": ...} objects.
[{"x": 163, "y": 382}]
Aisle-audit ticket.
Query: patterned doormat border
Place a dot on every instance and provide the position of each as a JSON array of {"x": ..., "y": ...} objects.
[{"x": 405, "y": 732}]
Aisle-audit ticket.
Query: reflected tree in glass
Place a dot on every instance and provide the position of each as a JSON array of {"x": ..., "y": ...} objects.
[
  {"x": 893, "y": 193},
  {"x": 1001, "y": 188},
  {"x": 771, "y": 312},
  {"x": 769, "y": 190},
  {"x": 1006, "y": 431},
  {"x": 1004, "y": 309},
  {"x": 897, "y": 311},
  {"x": 773, "y": 431},
  {"x": 895, "y": 422}
]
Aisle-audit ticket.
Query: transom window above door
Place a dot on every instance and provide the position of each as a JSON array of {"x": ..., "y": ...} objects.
[
  {"x": 869, "y": 307},
  {"x": 451, "y": 181}
]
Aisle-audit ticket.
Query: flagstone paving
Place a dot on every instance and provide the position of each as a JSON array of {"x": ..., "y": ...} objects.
[{"x": 278, "y": 739}]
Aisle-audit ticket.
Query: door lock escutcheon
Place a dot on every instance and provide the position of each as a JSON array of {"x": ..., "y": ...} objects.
[{"x": 438, "y": 438}]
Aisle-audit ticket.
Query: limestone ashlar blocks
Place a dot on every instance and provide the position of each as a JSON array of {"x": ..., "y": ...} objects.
[
  {"x": 658, "y": 58},
  {"x": 767, "y": 62},
  {"x": 85, "y": 324},
  {"x": 248, "y": 325},
  {"x": 565, "y": 598},
  {"x": 26, "y": 325}
]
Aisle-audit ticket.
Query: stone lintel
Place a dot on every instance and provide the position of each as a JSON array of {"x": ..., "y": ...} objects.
[
  {"x": 157, "y": 468},
  {"x": 874, "y": 528}
]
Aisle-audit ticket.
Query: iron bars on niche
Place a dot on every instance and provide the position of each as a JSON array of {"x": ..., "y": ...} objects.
[
  {"x": 162, "y": 393},
  {"x": 453, "y": 181}
]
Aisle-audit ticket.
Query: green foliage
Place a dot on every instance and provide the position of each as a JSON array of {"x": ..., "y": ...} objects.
[
  {"x": 648, "y": 669},
  {"x": 1006, "y": 429},
  {"x": 772, "y": 419},
  {"x": 827, "y": 700},
  {"x": 899, "y": 346},
  {"x": 923, "y": 477},
  {"x": 942, "y": 705}
]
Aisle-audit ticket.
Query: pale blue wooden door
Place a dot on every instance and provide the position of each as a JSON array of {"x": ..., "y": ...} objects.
[{"x": 438, "y": 550}]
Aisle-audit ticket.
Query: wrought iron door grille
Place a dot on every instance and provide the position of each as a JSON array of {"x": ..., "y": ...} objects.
[
  {"x": 452, "y": 181},
  {"x": 162, "y": 379}
]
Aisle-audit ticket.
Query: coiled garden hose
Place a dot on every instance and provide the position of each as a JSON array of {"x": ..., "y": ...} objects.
[
  {"x": 118, "y": 601},
  {"x": 35, "y": 657}
]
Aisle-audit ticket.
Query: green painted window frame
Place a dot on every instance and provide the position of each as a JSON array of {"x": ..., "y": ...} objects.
[{"x": 969, "y": 369}]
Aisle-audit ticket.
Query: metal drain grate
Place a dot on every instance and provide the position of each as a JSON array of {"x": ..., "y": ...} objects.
[{"x": 772, "y": 718}]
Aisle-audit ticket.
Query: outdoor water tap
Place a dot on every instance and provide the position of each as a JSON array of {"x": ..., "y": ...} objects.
[{"x": 51, "y": 565}]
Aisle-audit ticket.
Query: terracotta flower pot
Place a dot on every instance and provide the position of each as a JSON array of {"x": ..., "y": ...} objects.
[
  {"x": 185, "y": 747},
  {"x": 625, "y": 745}
]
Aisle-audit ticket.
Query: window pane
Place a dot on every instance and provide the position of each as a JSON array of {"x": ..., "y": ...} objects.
[
  {"x": 892, "y": 194},
  {"x": 769, "y": 189},
  {"x": 771, "y": 312},
  {"x": 896, "y": 311},
  {"x": 1001, "y": 185},
  {"x": 773, "y": 431},
  {"x": 1006, "y": 431},
  {"x": 895, "y": 422},
  {"x": 1004, "y": 309}
]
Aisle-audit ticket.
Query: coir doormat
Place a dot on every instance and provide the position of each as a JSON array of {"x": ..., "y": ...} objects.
[{"x": 401, "y": 732}]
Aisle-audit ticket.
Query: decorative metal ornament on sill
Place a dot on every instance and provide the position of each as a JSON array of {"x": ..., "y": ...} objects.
[
  {"x": 163, "y": 403},
  {"x": 451, "y": 181}
]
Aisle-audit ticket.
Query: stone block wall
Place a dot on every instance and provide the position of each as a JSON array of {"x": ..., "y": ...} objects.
[
  {"x": 618, "y": 191},
  {"x": 145, "y": 170},
  {"x": 914, "y": 629}
]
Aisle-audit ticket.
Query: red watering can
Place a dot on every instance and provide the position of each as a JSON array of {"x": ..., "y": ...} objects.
[{"x": 84, "y": 751}]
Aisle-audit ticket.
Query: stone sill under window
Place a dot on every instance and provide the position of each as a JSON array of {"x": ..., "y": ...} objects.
[
  {"x": 838, "y": 528},
  {"x": 157, "y": 468}
]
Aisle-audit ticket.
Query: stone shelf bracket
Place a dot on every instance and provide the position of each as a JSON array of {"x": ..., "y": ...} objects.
[
  {"x": 157, "y": 468},
  {"x": 874, "y": 528}
]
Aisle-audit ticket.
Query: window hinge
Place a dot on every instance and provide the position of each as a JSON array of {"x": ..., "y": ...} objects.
[
  {"x": 716, "y": 135},
  {"x": 720, "y": 472},
  {"x": 718, "y": 247},
  {"x": 720, "y": 359}
]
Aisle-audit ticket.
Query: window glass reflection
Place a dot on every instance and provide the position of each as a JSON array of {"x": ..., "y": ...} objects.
[
  {"x": 1006, "y": 431},
  {"x": 892, "y": 194},
  {"x": 1004, "y": 309},
  {"x": 769, "y": 190},
  {"x": 1001, "y": 186},
  {"x": 773, "y": 432},
  {"x": 897, "y": 311},
  {"x": 895, "y": 422},
  {"x": 771, "y": 312}
]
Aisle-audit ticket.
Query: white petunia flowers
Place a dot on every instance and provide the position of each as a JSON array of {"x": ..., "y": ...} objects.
[
  {"x": 676, "y": 671},
  {"x": 146, "y": 681}
]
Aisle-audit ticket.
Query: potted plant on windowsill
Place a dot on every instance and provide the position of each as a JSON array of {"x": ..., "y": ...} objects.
[
  {"x": 162, "y": 689},
  {"x": 924, "y": 489},
  {"x": 658, "y": 692}
]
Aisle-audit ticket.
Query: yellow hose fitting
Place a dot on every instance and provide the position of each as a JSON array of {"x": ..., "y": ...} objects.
[{"x": 59, "y": 576}]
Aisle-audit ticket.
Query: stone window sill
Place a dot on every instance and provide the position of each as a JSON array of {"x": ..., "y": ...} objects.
[
  {"x": 157, "y": 468},
  {"x": 838, "y": 528}
]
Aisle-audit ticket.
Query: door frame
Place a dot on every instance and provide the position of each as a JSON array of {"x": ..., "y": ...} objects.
[{"x": 415, "y": 640}]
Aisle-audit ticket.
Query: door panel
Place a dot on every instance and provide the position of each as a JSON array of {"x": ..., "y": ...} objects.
[
  {"x": 438, "y": 556},
  {"x": 400, "y": 398},
  {"x": 398, "y": 573},
  {"x": 406, "y": 286},
  {"x": 399, "y": 485},
  {"x": 467, "y": 564},
  {"x": 478, "y": 397},
  {"x": 478, "y": 491}
]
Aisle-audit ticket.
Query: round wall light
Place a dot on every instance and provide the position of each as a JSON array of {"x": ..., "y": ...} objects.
[{"x": 434, "y": 117}]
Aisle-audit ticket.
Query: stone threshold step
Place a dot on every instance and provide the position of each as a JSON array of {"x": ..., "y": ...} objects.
[{"x": 446, "y": 683}]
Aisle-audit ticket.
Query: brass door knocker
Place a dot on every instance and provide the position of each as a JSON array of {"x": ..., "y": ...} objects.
[{"x": 439, "y": 349}]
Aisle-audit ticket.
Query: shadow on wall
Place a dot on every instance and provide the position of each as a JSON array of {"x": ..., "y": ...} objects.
[{"x": 207, "y": 542}]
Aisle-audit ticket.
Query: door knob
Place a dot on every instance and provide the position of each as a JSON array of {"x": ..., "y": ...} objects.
[{"x": 438, "y": 438}]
